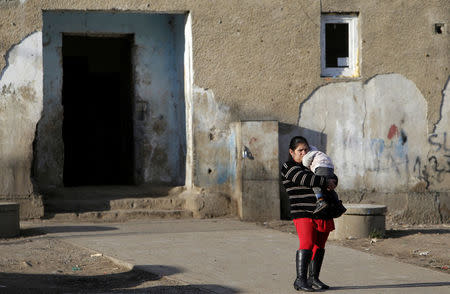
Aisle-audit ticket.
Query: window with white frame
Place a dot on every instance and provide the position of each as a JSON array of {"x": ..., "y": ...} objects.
[{"x": 339, "y": 44}]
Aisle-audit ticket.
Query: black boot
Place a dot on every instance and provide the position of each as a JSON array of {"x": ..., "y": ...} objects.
[
  {"x": 314, "y": 270},
  {"x": 303, "y": 259}
]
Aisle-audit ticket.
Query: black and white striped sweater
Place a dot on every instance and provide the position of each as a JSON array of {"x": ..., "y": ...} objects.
[{"x": 298, "y": 182}]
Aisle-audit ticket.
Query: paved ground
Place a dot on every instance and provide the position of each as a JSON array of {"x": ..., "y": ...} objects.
[{"x": 229, "y": 256}]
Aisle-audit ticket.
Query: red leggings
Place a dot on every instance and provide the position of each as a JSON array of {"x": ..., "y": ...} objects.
[{"x": 310, "y": 238}]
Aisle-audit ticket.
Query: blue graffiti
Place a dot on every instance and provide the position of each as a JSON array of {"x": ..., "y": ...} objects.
[
  {"x": 377, "y": 146},
  {"x": 395, "y": 152}
]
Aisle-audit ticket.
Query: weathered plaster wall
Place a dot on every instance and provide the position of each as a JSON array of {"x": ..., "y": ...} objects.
[
  {"x": 434, "y": 169},
  {"x": 375, "y": 131},
  {"x": 260, "y": 59},
  {"x": 377, "y": 134},
  {"x": 252, "y": 51},
  {"x": 398, "y": 37},
  {"x": 257, "y": 179},
  {"x": 20, "y": 110},
  {"x": 212, "y": 139},
  {"x": 159, "y": 119}
]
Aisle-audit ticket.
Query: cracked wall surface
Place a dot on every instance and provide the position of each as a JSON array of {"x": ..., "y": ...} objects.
[
  {"x": 435, "y": 167},
  {"x": 377, "y": 135},
  {"x": 20, "y": 110},
  {"x": 212, "y": 139},
  {"x": 260, "y": 60},
  {"x": 158, "y": 102}
]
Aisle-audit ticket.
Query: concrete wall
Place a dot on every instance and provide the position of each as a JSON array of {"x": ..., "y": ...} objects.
[
  {"x": 159, "y": 116},
  {"x": 375, "y": 131},
  {"x": 20, "y": 109},
  {"x": 257, "y": 179},
  {"x": 260, "y": 60},
  {"x": 378, "y": 139}
]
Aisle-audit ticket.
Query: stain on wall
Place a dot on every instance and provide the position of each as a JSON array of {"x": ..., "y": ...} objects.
[
  {"x": 212, "y": 135},
  {"x": 434, "y": 168},
  {"x": 159, "y": 102},
  {"x": 20, "y": 110},
  {"x": 375, "y": 131}
]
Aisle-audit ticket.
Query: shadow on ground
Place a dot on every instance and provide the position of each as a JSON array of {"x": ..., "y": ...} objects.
[
  {"x": 30, "y": 232},
  {"x": 133, "y": 281},
  {"x": 394, "y": 286},
  {"x": 401, "y": 233}
]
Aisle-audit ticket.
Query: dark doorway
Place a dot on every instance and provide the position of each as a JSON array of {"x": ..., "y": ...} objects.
[{"x": 97, "y": 102}]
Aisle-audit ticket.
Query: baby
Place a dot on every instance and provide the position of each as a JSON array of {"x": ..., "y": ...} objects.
[{"x": 322, "y": 165}]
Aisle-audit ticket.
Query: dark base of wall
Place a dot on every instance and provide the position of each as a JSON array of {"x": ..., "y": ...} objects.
[
  {"x": 406, "y": 208},
  {"x": 31, "y": 206}
]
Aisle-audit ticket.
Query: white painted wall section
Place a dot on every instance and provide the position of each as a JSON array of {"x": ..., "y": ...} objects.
[
  {"x": 374, "y": 131},
  {"x": 20, "y": 110}
]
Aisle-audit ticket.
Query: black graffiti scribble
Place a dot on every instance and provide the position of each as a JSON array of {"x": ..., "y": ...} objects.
[
  {"x": 435, "y": 140},
  {"x": 439, "y": 171},
  {"x": 422, "y": 174},
  {"x": 404, "y": 137},
  {"x": 439, "y": 161}
]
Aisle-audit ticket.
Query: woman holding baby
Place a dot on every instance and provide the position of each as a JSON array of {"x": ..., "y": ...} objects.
[{"x": 312, "y": 231}]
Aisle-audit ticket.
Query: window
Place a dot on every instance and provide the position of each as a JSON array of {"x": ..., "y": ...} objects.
[{"x": 339, "y": 43}]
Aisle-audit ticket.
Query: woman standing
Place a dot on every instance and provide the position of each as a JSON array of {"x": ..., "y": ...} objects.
[{"x": 312, "y": 232}]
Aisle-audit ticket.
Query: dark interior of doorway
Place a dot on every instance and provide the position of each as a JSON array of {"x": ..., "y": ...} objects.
[{"x": 97, "y": 103}]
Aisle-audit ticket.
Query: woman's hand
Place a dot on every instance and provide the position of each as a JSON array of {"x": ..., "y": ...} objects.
[{"x": 331, "y": 184}]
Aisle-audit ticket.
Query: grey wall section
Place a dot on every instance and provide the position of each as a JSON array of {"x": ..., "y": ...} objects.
[
  {"x": 257, "y": 182},
  {"x": 213, "y": 140},
  {"x": 159, "y": 119},
  {"x": 434, "y": 168}
]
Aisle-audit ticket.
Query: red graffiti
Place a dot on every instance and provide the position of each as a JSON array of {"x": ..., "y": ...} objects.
[
  {"x": 253, "y": 140},
  {"x": 392, "y": 132}
]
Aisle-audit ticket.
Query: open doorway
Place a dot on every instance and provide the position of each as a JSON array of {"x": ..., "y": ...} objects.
[{"x": 97, "y": 102}]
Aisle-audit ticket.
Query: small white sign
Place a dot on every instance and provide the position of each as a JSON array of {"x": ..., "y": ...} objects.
[{"x": 342, "y": 61}]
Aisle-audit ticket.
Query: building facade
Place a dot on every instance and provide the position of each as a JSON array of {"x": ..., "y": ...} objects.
[{"x": 179, "y": 93}]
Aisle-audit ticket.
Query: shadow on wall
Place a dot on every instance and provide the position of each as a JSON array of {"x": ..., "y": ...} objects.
[{"x": 285, "y": 133}]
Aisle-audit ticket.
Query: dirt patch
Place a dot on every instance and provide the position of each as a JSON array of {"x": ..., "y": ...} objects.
[
  {"x": 38, "y": 263},
  {"x": 421, "y": 245}
]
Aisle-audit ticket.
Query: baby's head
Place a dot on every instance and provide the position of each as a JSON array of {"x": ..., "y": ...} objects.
[{"x": 309, "y": 156}]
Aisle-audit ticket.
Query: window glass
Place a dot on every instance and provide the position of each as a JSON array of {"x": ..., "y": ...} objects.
[{"x": 336, "y": 45}]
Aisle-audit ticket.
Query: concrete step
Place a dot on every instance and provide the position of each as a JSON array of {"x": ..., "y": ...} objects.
[
  {"x": 104, "y": 198},
  {"x": 103, "y": 204},
  {"x": 120, "y": 215},
  {"x": 163, "y": 203}
]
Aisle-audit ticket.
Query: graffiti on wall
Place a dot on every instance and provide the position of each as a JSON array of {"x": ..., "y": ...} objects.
[
  {"x": 388, "y": 125},
  {"x": 437, "y": 165},
  {"x": 391, "y": 153}
]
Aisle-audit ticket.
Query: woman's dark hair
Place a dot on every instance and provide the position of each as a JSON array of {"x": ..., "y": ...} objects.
[{"x": 297, "y": 140}]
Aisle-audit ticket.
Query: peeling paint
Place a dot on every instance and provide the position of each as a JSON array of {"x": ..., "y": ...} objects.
[
  {"x": 374, "y": 133},
  {"x": 435, "y": 168},
  {"x": 159, "y": 101},
  {"x": 211, "y": 136},
  {"x": 20, "y": 110}
]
